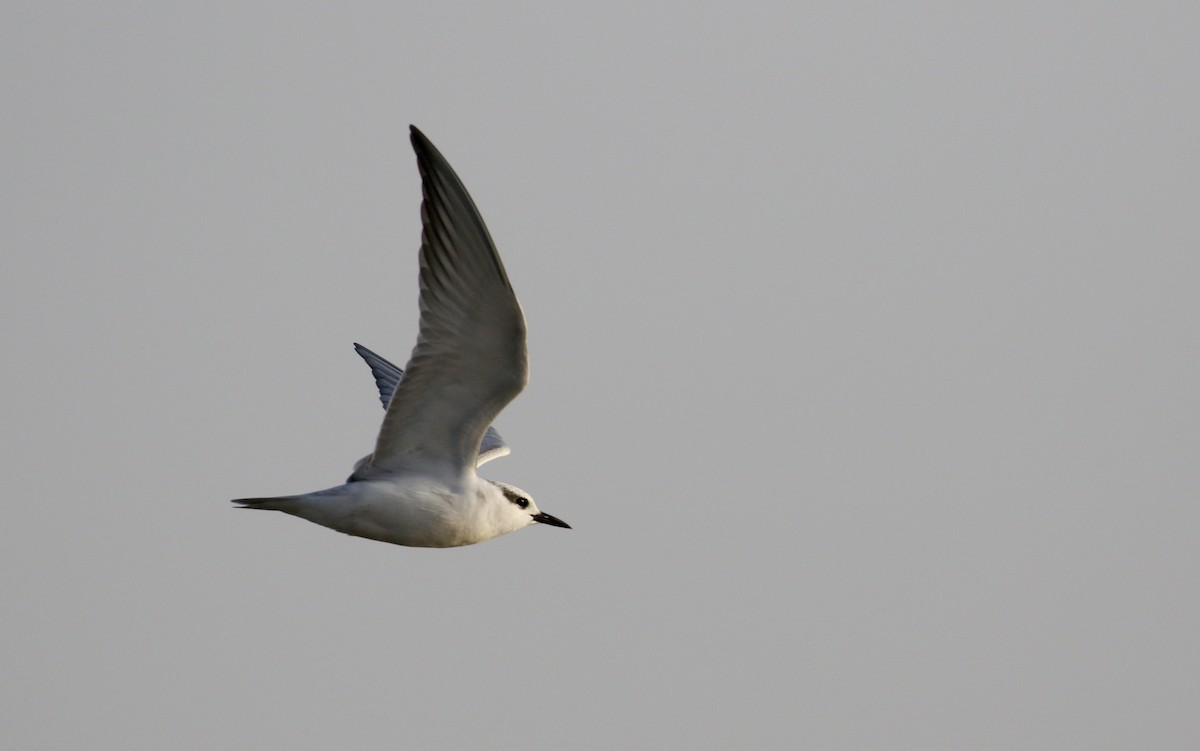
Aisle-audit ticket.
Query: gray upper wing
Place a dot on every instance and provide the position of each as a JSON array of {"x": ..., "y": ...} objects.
[{"x": 386, "y": 374}]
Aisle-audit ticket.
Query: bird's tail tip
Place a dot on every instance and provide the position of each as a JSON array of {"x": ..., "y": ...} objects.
[{"x": 280, "y": 503}]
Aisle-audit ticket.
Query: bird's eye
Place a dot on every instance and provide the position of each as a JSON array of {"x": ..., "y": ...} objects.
[{"x": 521, "y": 502}]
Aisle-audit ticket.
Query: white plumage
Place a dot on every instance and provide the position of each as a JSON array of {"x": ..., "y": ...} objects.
[{"x": 419, "y": 486}]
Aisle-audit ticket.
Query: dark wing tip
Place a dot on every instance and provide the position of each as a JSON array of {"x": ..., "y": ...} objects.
[
  {"x": 441, "y": 186},
  {"x": 431, "y": 163},
  {"x": 421, "y": 143}
]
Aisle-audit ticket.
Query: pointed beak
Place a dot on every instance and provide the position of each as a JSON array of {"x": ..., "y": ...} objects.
[{"x": 553, "y": 521}]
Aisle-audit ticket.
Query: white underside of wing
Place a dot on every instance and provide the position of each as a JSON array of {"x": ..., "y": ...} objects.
[
  {"x": 493, "y": 447},
  {"x": 387, "y": 377},
  {"x": 470, "y": 359}
]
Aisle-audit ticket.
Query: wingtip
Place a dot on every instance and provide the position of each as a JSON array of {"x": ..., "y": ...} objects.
[
  {"x": 419, "y": 140},
  {"x": 428, "y": 156}
]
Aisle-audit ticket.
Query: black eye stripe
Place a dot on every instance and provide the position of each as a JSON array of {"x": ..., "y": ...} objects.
[{"x": 519, "y": 500}]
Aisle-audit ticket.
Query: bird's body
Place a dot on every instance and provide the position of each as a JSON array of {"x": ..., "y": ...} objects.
[
  {"x": 419, "y": 487},
  {"x": 415, "y": 510}
]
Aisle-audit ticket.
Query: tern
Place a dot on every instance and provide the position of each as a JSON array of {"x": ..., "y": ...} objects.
[{"x": 419, "y": 486}]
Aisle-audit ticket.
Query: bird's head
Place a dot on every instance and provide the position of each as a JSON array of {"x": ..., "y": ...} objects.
[{"x": 519, "y": 509}]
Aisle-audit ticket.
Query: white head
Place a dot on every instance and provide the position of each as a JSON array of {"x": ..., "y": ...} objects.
[{"x": 514, "y": 509}]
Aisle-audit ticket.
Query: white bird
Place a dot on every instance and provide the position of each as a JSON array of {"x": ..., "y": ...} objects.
[{"x": 419, "y": 486}]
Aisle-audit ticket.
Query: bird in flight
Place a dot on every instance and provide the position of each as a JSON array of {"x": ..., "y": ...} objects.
[{"x": 419, "y": 486}]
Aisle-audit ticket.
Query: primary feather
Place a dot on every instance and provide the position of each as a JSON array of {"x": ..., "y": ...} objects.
[{"x": 470, "y": 360}]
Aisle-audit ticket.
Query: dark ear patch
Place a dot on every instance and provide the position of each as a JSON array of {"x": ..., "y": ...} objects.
[{"x": 514, "y": 497}]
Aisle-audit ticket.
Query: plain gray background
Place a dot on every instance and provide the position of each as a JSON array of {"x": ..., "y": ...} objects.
[{"x": 864, "y": 344}]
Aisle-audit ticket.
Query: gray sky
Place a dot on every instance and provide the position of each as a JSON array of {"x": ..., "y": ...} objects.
[{"x": 865, "y": 365}]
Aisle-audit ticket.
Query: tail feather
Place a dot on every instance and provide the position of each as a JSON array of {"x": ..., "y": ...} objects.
[{"x": 279, "y": 503}]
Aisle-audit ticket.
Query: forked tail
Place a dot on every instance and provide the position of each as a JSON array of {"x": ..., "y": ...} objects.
[{"x": 286, "y": 503}]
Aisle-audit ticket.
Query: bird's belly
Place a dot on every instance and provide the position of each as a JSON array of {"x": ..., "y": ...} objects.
[{"x": 417, "y": 518}]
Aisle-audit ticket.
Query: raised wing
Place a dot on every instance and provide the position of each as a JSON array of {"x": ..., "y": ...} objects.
[
  {"x": 388, "y": 375},
  {"x": 470, "y": 359}
]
